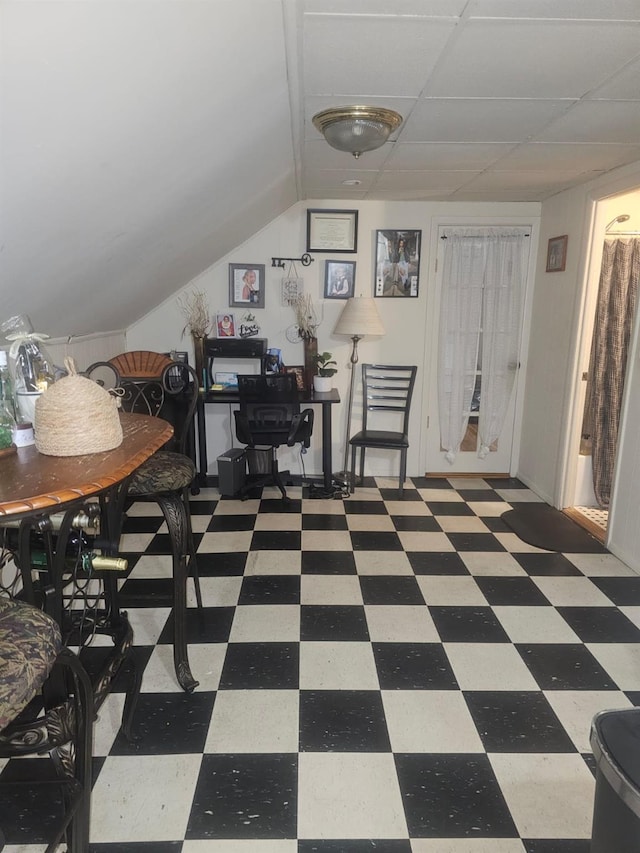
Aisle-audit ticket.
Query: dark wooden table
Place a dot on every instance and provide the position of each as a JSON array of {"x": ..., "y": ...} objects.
[{"x": 33, "y": 485}]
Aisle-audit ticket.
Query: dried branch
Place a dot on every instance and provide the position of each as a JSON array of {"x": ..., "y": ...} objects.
[{"x": 195, "y": 309}]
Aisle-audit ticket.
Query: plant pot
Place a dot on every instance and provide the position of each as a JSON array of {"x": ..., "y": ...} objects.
[{"x": 322, "y": 384}]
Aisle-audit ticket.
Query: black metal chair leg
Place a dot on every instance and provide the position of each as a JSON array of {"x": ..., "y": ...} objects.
[
  {"x": 193, "y": 560},
  {"x": 403, "y": 471},
  {"x": 175, "y": 515}
]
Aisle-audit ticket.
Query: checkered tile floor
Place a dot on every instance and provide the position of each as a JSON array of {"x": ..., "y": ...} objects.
[{"x": 375, "y": 675}]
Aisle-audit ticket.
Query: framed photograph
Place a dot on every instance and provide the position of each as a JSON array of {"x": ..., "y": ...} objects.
[
  {"x": 332, "y": 230},
  {"x": 339, "y": 279},
  {"x": 557, "y": 253},
  {"x": 246, "y": 285},
  {"x": 397, "y": 263},
  {"x": 298, "y": 370},
  {"x": 225, "y": 325}
]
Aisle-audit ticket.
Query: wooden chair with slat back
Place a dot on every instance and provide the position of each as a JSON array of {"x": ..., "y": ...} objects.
[{"x": 140, "y": 364}]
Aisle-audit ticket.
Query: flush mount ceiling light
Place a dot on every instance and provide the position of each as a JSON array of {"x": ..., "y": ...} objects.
[{"x": 357, "y": 129}]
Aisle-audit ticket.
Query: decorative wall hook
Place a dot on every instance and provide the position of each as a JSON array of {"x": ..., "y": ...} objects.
[{"x": 305, "y": 260}]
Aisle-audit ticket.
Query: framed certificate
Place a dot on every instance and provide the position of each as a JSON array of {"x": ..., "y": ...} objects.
[{"x": 332, "y": 230}]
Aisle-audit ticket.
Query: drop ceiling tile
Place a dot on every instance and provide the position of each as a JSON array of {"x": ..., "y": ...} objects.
[
  {"x": 318, "y": 154},
  {"x": 596, "y": 121},
  {"x": 623, "y": 86},
  {"x": 526, "y": 180},
  {"x": 367, "y": 56},
  {"x": 479, "y": 119},
  {"x": 382, "y": 7},
  {"x": 534, "y": 156},
  {"x": 424, "y": 180},
  {"x": 576, "y": 9},
  {"x": 452, "y": 156},
  {"x": 334, "y": 177},
  {"x": 466, "y": 194},
  {"x": 534, "y": 59}
]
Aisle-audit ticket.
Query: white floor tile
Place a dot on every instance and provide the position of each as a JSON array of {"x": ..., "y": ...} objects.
[
  {"x": 237, "y": 507},
  {"x": 205, "y": 660},
  {"x": 251, "y": 721},
  {"x": 337, "y": 666},
  {"x": 148, "y": 799},
  {"x": 400, "y": 624},
  {"x": 330, "y": 589},
  {"x": 498, "y": 564},
  {"x": 357, "y": 521},
  {"x": 489, "y": 666},
  {"x": 217, "y": 592},
  {"x": 429, "y": 721},
  {"x": 407, "y": 508},
  {"x": 225, "y": 542},
  {"x": 382, "y": 563},
  {"x": 571, "y": 592},
  {"x": 273, "y": 562},
  {"x": 437, "y": 495},
  {"x": 515, "y": 496},
  {"x": 265, "y": 623},
  {"x": 577, "y": 708},
  {"x": 278, "y": 521},
  {"x": 147, "y": 623},
  {"x": 108, "y": 722},
  {"x": 514, "y": 544},
  {"x": 467, "y": 845},
  {"x": 535, "y": 625},
  {"x": 549, "y": 795},
  {"x": 462, "y": 524},
  {"x": 600, "y": 565},
  {"x": 451, "y": 591},
  {"x": 153, "y": 566},
  {"x": 415, "y": 540},
  {"x": 621, "y": 660},
  {"x": 346, "y": 795},
  {"x": 251, "y": 846},
  {"x": 489, "y": 509},
  {"x": 319, "y": 540}
]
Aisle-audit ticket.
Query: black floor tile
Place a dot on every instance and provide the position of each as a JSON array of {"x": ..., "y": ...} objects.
[
  {"x": 30, "y": 813},
  {"x": 230, "y": 523},
  {"x": 323, "y": 522},
  {"x": 352, "y": 845},
  {"x": 511, "y": 591},
  {"x": 437, "y": 563},
  {"x": 413, "y": 666},
  {"x": 374, "y": 540},
  {"x": 556, "y": 845},
  {"x": 449, "y": 508},
  {"x": 245, "y": 796},
  {"x": 328, "y": 563},
  {"x": 623, "y": 591},
  {"x": 221, "y": 564},
  {"x": 390, "y": 590},
  {"x": 513, "y": 721},
  {"x": 452, "y": 796},
  {"x": 293, "y": 505},
  {"x": 254, "y": 666},
  {"x": 475, "y": 495},
  {"x": 551, "y": 565},
  {"x": 426, "y": 523},
  {"x": 408, "y": 494},
  {"x": 208, "y": 625},
  {"x": 142, "y": 524},
  {"x": 355, "y": 507},
  {"x": 343, "y": 721},
  {"x": 138, "y": 847},
  {"x": 276, "y": 540},
  {"x": 565, "y": 666},
  {"x": 161, "y": 543},
  {"x": 270, "y": 589},
  {"x": 333, "y": 622},
  {"x": 600, "y": 624},
  {"x": 168, "y": 724},
  {"x": 468, "y": 625},
  {"x": 475, "y": 542}
]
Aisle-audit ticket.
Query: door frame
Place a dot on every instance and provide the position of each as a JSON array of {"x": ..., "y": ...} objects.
[{"x": 433, "y": 322}]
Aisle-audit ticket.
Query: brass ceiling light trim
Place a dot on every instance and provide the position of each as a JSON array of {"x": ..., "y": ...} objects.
[{"x": 357, "y": 129}]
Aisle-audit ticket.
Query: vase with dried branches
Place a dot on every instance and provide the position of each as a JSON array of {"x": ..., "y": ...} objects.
[
  {"x": 195, "y": 309},
  {"x": 307, "y": 323}
]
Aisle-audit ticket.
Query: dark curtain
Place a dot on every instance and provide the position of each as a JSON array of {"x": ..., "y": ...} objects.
[{"x": 615, "y": 311}]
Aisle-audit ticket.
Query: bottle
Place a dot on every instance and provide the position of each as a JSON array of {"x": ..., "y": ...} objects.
[{"x": 7, "y": 411}]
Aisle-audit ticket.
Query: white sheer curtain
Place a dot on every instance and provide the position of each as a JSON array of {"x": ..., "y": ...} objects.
[{"x": 483, "y": 283}]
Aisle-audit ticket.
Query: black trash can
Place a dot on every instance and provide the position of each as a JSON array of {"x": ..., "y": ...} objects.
[
  {"x": 232, "y": 465},
  {"x": 615, "y": 741}
]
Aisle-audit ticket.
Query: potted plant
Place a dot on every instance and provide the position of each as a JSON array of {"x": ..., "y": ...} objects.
[{"x": 322, "y": 379}]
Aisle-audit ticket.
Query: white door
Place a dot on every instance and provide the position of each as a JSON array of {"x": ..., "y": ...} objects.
[{"x": 467, "y": 460}]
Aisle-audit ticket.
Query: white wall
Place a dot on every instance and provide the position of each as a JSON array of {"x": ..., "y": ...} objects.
[
  {"x": 556, "y": 360},
  {"x": 405, "y": 319}
]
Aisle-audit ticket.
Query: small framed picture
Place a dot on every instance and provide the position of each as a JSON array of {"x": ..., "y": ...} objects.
[
  {"x": 557, "y": 253},
  {"x": 339, "y": 279},
  {"x": 246, "y": 285},
  {"x": 332, "y": 230},
  {"x": 298, "y": 371},
  {"x": 397, "y": 263},
  {"x": 226, "y": 325}
]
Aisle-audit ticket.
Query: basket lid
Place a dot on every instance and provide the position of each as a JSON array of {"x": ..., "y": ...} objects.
[{"x": 76, "y": 416}]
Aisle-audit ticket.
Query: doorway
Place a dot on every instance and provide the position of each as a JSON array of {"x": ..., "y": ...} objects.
[{"x": 612, "y": 279}]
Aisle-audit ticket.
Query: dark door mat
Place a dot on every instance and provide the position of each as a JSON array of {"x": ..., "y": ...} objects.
[{"x": 545, "y": 527}]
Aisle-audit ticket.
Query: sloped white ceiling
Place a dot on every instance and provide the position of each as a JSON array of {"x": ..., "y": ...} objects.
[{"x": 144, "y": 139}]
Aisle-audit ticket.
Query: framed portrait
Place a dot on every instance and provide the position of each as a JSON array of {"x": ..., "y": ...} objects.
[
  {"x": 298, "y": 371},
  {"x": 339, "y": 279},
  {"x": 557, "y": 253},
  {"x": 397, "y": 263},
  {"x": 225, "y": 325},
  {"x": 246, "y": 285},
  {"x": 332, "y": 230}
]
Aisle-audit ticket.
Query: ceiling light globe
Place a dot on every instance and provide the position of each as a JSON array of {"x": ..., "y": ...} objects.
[{"x": 357, "y": 129}]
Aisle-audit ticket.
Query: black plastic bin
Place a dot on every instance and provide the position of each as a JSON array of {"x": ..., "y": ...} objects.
[
  {"x": 232, "y": 467},
  {"x": 615, "y": 741}
]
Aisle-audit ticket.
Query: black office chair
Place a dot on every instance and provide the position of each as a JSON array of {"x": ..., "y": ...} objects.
[
  {"x": 385, "y": 388},
  {"x": 270, "y": 416}
]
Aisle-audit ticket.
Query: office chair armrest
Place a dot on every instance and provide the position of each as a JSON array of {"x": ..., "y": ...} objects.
[
  {"x": 301, "y": 428},
  {"x": 243, "y": 430}
]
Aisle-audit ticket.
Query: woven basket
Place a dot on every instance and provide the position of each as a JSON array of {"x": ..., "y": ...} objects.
[{"x": 76, "y": 416}]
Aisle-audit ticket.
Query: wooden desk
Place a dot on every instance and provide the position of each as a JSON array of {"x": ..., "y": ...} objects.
[
  {"x": 34, "y": 486},
  {"x": 307, "y": 398}
]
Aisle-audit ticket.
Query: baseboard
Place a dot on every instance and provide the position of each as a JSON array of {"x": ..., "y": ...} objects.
[{"x": 448, "y": 475}]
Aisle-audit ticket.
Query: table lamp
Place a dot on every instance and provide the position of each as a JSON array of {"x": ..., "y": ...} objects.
[{"x": 358, "y": 319}]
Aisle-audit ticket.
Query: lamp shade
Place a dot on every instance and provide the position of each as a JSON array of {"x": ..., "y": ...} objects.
[{"x": 359, "y": 317}]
